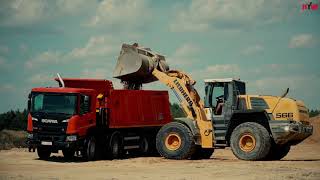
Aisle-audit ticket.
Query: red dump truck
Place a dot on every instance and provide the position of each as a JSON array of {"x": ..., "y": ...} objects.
[{"x": 91, "y": 117}]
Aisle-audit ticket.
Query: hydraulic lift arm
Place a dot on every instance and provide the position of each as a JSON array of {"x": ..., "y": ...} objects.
[{"x": 182, "y": 86}]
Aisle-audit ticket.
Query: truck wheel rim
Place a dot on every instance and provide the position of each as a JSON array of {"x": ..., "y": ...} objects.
[
  {"x": 173, "y": 141},
  {"x": 247, "y": 142}
]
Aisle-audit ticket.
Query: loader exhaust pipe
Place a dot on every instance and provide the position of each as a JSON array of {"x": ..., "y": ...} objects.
[{"x": 135, "y": 65}]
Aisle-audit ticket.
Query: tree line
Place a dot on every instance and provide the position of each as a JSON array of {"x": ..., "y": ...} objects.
[{"x": 17, "y": 120}]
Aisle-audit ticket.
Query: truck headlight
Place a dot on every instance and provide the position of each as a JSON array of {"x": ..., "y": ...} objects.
[
  {"x": 65, "y": 120},
  {"x": 71, "y": 138},
  {"x": 30, "y": 136}
]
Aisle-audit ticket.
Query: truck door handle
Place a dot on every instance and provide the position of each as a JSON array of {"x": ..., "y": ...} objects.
[{"x": 90, "y": 121}]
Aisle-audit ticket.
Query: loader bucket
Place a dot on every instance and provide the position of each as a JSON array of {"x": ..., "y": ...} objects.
[{"x": 135, "y": 64}]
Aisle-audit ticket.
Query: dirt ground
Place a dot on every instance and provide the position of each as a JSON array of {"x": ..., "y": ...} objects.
[{"x": 303, "y": 162}]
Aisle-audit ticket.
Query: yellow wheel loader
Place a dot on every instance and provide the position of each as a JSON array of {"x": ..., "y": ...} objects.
[{"x": 255, "y": 127}]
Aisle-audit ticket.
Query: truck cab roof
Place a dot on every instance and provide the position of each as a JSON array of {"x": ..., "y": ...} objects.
[{"x": 62, "y": 90}]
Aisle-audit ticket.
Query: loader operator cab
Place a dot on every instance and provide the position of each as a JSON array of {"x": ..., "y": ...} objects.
[{"x": 222, "y": 95}]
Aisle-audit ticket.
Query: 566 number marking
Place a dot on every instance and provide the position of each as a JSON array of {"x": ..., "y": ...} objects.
[{"x": 284, "y": 115}]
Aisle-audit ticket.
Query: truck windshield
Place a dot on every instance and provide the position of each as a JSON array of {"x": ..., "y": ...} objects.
[{"x": 54, "y": 103}]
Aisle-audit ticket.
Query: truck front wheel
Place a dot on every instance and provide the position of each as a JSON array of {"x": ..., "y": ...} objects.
[
  {"x": 175, "y": 141},
  {"x": 44, "y": 152},
  {"x": 91, "y": 149},
  {"x": 250, "y": 141}
]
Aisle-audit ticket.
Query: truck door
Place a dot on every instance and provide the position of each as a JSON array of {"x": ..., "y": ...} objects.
[{"x": 87, "y": 114}]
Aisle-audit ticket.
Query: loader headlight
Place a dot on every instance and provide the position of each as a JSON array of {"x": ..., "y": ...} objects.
[
  {"x": 286, "y": 128},
  {"x": 71, "y": 138}
]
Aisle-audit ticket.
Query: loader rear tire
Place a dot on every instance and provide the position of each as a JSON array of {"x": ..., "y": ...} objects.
[
  {"x": 250, "y": 141},
  {"x": 175, "y": 141},
  {"x": 202, "y": 153}
]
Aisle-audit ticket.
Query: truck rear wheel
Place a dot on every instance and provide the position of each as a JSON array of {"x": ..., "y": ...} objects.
[
  {"x": 44, "y": 152},
  {"x": 250, "y": 141},
  {"x": 175, "y": 141},
  {"x": 202, "y": 153},
  {"x": 278, "y": 152}
]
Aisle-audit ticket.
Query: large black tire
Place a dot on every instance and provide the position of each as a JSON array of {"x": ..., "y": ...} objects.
[
  {"x": 91, "y": 149},
  {"x": 202, "y": 153},
  {"x": 68, "y": 153},
  {"x": 116, "y": 146},
  {"x": 44, "y": 152},
  {"x": 250, "y": 141},
  {"x": 278, "y": 152},
  {"x": 175, "y": 141}
]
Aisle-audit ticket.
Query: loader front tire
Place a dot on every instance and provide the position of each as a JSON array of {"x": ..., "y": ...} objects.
[
  {"x": 250, "y": 141},
  {"x": 175, "y": 141}
]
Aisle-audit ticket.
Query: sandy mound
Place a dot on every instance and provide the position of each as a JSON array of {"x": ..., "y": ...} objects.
[{"x": 315, "y": 138}]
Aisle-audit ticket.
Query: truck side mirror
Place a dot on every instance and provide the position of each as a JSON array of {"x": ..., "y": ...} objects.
[{"x": 29, "y": 102}]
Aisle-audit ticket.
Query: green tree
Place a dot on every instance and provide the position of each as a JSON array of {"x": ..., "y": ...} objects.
[
  {"x": 314, "y": 113},
  {"x": 176, "y": 110}
]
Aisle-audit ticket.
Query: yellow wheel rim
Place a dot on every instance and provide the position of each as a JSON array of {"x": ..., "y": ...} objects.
[
  {"x": 173, "y": 141},
  {"x": 247, "y": 142}
]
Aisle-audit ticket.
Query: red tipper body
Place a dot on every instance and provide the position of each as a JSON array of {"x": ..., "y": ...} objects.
[{"x": 128, "y": 108}]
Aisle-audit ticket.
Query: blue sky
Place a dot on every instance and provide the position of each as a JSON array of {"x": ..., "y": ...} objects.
[{"x": 270, "y": 44}]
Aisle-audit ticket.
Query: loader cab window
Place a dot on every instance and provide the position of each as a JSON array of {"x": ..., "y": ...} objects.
[
  {"x": 84, "y": 104},
  {"x": 217, "y": 94}
]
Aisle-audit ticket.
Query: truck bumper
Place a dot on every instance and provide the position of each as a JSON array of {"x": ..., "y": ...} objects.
[
  {"x": 289, "y": 132},
  {"x": 56, "y": 142}
]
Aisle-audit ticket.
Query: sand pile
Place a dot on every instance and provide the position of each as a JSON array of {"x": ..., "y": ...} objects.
[{"x": 315, "y": 138}]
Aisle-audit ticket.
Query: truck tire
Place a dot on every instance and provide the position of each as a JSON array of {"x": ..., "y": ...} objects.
[
  {"x": 250, "y": 141},
  {"x": 202, "y": 153},
  {"x": 91, "y": 149},
  {"x": 278, "y": 152},
  {"x": 116, "y": 145},
  {"x": 175, "y": 141},
  {"x": 68, "y": 153},
  {"x": 44, "y": 152}
]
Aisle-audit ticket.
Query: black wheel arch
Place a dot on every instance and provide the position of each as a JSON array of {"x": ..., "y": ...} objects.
[{"x": 239, "y": 117}]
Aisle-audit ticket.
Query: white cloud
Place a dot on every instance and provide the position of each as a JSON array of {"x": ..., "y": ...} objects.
[
  {"x": 252, "y": 49},
  {"x": 120, "y": 12},
  {"x": 201, "y": 15},
  {"x": 4, "y": 49},
  {"x": 23, "y": 12},
  {"x": 7, "y": 88},
  {"x": 48, "y": 57},
  {"x": 184, "y": 55},
  {"x": 40, "y": 78},
  {"x": 301, "y": 41},
  {"x": 96, "y": 46}
]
